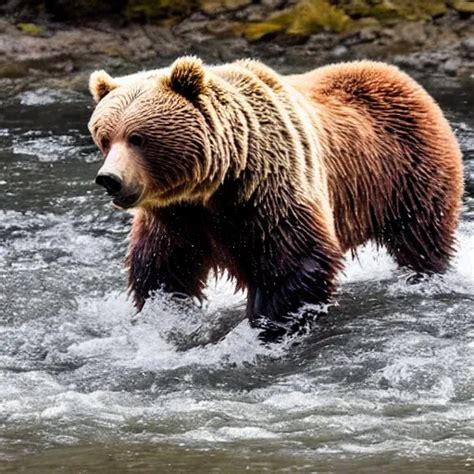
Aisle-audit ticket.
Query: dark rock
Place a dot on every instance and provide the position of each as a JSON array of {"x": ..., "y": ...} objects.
[
  {"x": 213, "y": 7},
  {"x": 443, "y": 44},
  {"x": 221, "y": 28},
  {"x": 273, "y": 4},
  {"x": 285, "y": 40},
  {"x": 412, "y": 32},
  {"x": 321, "y": 41},
  {"x": 231, "y": 49},
  {"x": 188, "y": 26},
  {"x": 197, "y": 16},
  {"x": 11, "y": 70},
  {"x": 253, "y": 13},
  {"x": 407, "y": 62},
  {"x": 65, "y": 66},
  {"x": 368, "y": 34},
  {"x": 452, "y": 66},
  {"x": 351, "y": 38},
  {"x": 339, "y": 52},
  {"x": 67, "y": 9},
  {"x": 468, "y": 47},
  {"x": 388, "y": 33}
]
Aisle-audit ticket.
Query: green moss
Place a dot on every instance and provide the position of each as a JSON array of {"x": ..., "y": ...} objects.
[
  {"x": 313, "y": 15},
  {"x": 420, "y": 9},
  {"x": 256, "y": 31},
  {"x": 305, "y": 18},
  {"x": 309, "y": 16},
  {"x": 463, "y": 6},
  {"x": 362, "y": 8},
  {"x": 31, "y": 29}
]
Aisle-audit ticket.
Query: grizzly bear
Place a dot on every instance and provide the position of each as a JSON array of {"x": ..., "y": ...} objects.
[{"x": 273, "y": 178}]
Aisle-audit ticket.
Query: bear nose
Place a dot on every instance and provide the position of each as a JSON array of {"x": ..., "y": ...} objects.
[{"x": 111, "y": 182}]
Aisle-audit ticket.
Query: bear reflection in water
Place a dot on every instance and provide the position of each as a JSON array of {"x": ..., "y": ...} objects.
[{"x": 273, "y": 178}]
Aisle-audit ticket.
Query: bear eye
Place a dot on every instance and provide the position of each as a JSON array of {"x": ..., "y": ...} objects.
[
  {"x": 104, "y": 143},
  {"x": 136, "y": 140}
]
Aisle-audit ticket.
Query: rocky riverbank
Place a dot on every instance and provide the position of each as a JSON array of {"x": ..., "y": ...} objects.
[{"x": 283, "y": 34}]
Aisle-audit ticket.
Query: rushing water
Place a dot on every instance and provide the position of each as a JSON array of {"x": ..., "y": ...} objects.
[{"x": 385, "y": 383}]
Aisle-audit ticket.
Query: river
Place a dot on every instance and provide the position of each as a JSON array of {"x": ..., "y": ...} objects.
[{"x": 384, "y": 384}]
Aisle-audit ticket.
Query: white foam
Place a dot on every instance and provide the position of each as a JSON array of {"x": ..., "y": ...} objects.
[
  {"x": 229, "y": 434},
  {"x": 369, "y": 264},
  {"x": 458, "y": 279},
  {"x": 186, "y": 373},
  {"x": 44, "y": 96},
  {"x": 375, "y": 264},
  {"x": 47, "y": 149},
  {"x": 149, "y": 344}
]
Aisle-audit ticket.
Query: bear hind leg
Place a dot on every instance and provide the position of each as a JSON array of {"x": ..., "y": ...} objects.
[{"x": 422, "y": 240}]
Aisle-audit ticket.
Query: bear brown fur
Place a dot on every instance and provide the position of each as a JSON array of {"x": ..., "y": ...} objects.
[{"x": 273, "y": 177}]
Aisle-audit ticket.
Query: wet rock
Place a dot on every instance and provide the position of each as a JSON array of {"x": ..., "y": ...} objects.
[
  {"x": 446, "y": 42},
  {"x": 407, "y": 62},
  {"x": 5, "y": 26},
  {"x": 221, "y": 28},
  {"x": 351, "y": 38},
  {"x": 411, "y": 32},
  {"x": 368, "y": 34},
  {"x": 213, "y": 7},
  {"x": 427, "y": 61},
  {"x": 433, "y": 60},
  {"x": 452, "y": 66},
  {"x": 188, "y": 26},
  {"x": 165, "y": 43},
  {"x": 468, "y": 47},
  {"x": 66, "y": 66},
  {"x": 273, "y": 4},
  {"x": 320, "y": 42},
  {"x": 253, "y": 13},
  {"x": 388, "y": 33},
  {"x": 232, "y": 49},
  {"x": 141, "y": 47},
  {"x": 339, "y": 52},
  {"x": 11, "y": 70},
  {"x": 198, "y": 16}
]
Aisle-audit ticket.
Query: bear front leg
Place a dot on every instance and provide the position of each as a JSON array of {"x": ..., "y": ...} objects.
[
  {"x": 166, "y": 252},
  {"x": 276, "y": 310},
  {"x": 299, "y": 267}
]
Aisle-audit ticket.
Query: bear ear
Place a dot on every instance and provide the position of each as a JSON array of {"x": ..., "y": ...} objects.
[
  {"x": 100, "y": 84},
  {"x": 187, "y": 77}
]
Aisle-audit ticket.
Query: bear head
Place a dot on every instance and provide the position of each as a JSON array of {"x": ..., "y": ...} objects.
[{"x": 154, "y": 137}]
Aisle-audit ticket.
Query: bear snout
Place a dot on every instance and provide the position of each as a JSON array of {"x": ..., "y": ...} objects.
[
  {"x": 111, "y": 182},
  {"x": 120, "y": 177},
  {"x": 123, "y": 197}
]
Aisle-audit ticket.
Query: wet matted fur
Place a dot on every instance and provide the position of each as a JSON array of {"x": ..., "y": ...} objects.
[{"x": 273, "y": 177}]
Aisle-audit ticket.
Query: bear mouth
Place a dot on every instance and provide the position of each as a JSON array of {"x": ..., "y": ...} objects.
[{"x": 126, "y": 202}]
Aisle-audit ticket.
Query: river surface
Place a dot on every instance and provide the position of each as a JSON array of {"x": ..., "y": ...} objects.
[{"x": 384, "y": 384}]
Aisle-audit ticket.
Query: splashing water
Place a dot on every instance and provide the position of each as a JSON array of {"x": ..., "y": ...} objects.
[{"x": 385, "y": 377}]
